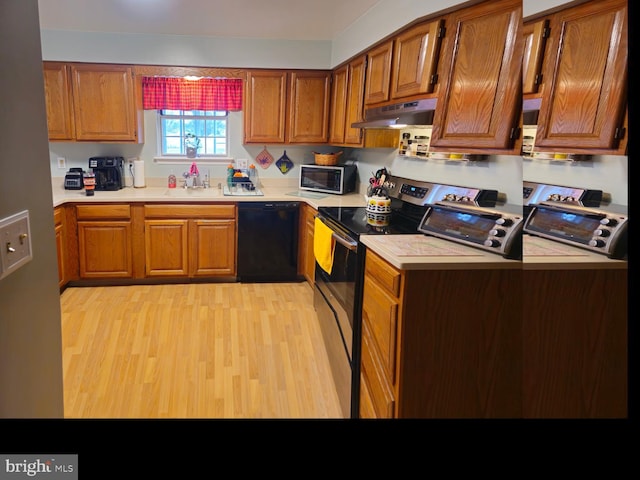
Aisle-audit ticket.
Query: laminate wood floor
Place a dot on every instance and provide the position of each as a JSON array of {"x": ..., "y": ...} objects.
[{"x": 221, "y": 350}]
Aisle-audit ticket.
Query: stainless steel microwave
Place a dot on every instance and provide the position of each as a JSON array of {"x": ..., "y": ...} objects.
[{"x": 338, "y": 179}]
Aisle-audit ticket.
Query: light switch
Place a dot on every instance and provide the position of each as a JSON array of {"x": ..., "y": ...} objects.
[{"x": 15, "y": 242}]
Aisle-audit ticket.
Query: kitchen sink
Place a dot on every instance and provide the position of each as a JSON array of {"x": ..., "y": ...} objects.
[{"x": 192, "y": 192}]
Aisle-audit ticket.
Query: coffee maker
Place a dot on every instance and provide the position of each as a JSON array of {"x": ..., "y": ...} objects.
[{"x": 109, "y": 172}]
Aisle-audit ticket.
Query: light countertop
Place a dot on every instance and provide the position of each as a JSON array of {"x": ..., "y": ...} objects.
[
  {"x": 544, "y": 254},
  {"x": 155, "y": 192},
  {"x": 422, "y": 252}
]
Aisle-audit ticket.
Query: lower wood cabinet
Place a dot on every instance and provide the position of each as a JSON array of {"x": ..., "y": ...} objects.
[
  {"x": 575, "y": 339},
  {"x": 306, "y": 257},
  {"x": 440, "y": 343},
  {"x": 190, "y": 240},
  {"x": 61, "y": 244},
  {"x": 104, "y": 241}
]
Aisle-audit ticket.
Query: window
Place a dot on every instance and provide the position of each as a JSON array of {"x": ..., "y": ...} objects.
[{"x": 208, "y": 125}]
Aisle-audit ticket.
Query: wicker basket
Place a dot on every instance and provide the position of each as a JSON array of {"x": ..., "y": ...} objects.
[{"x": 326, "y": 158}]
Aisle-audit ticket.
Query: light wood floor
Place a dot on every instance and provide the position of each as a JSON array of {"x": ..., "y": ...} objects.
[{"x": 223, "y": 350}]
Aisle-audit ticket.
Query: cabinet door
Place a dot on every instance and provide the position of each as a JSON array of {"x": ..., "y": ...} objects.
[
  {"x": 104, "y": 102},
  {"x": 585, "y": 78},
  {"x": 338, "y": 117},
  {"x": 265, "y": 106},
  {"x": 355, "y": 100},
  {"x": 166, "y": 248},
  {"x": 104, "y": 249},
  {"x": 378, "y": 78},
  {"x": 535, "y": 35},
  {"x": 306, "y": 257},
  {"x": 415, "y": 55},
  {"x": 309, "y": 107},
  {"x": 479, "y": 99},
  {"x": 57, "y": 91},
  {"x": 212, "y": 247}
]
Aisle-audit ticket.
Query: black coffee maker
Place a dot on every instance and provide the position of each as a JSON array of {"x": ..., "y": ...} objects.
[{"x": 109, "y": 172}]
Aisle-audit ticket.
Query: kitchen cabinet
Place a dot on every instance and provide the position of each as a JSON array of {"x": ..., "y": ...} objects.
[
  {"x": 347, "y": 95},
  {"x": 583, "y": 104},
  {"x": 535, "y": 35},
  {"x": 61, "y": 244},
  {"x": 480, "y": 74},
  {"x": 92, "y": 102},
  {"x": 432, "y": 348},
  {"x": 415, "y": 58},
  {"x": 287, "y": 106},
  {"x": 190, "y": 240},
  {"x": 575, "y": 341},
  {"x": 404, "y": 66},
  {"x": 378, "y": 76},
  {"x": 306, "y": 257},
  {"x": 104, "y": 241}
]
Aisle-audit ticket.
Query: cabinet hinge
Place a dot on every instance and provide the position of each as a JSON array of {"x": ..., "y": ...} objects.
[
  {"x": 515, "y": 133},
  {"x": 619, "y": 133},
  {"x": 546, "y": 31},
  {"x": 538, "y": 79},
  {"x": 434, "y": 79},
  {"x": 442, "y": 31}
]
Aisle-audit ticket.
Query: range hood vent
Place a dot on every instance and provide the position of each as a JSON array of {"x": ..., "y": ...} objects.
[{"x": 418, "y": 113}]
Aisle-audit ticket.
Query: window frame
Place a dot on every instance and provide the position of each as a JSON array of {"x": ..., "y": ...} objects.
[{"x": 161, "y": 158}]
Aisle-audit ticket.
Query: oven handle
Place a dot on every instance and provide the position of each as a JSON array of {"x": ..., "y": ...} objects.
[{"x": 347, "y": 242}]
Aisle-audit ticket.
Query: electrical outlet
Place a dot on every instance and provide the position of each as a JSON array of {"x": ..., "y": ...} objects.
[
  {"x": 62, "y": 162},
  {"x": 241, "y": 163}
]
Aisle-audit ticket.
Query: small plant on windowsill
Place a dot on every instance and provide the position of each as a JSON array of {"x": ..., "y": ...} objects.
[{"x": 192, "y": 144}]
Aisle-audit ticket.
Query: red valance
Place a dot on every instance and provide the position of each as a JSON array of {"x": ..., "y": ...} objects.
[{"x": 175, "y": 93}]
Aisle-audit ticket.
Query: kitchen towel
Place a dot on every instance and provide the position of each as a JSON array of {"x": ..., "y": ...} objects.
[
  {"x": 138, "y": 173},
  {"x": 323, "y": 245}
]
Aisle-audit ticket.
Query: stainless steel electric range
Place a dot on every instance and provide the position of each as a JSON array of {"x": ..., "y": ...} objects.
[{"x": 460, "y": 214}]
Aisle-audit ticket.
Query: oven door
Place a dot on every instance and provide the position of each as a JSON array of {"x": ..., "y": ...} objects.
[{"x": 337, "y": 300}]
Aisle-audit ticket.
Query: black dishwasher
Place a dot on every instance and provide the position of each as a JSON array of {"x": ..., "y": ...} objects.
[{"x": 268, "y": 242}]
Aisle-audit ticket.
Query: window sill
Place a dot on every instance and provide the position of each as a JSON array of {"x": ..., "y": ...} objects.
[{"x": 179, "y": 160}]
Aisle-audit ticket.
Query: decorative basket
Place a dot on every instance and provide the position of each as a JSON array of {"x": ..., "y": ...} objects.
[{"x": 326, "y": 158}]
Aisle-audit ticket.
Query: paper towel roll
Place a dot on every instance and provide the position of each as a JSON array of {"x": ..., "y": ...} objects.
[{"x": 138, "y": 174}]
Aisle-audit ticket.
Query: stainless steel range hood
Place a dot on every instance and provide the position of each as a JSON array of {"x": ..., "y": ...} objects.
[{"x": 399, "y": 115}]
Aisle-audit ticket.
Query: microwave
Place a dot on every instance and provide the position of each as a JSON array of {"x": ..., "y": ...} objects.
[{"x": 338, "y": 179}]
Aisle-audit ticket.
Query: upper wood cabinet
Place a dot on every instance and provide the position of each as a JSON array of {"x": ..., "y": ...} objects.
[
  {"x": 287, "y": 106},
  {"x": 535, "y": 35},
  {"x": 92, "y": 102},
  {"x": 57, "y": 89},
  {"x": 415, "y": 57},
  {"x": 405, "y": 65},
  {"x": 378, "y": 76},
  {"x": 584, "y": 83},
  {"x": 347, "y": 98},
  {"x": 480, "y": 75}
]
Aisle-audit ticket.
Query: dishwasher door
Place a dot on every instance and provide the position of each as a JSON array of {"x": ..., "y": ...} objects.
[{"x": 268, "y": 242}]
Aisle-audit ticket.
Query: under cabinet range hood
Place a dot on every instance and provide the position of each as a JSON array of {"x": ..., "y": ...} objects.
[{"x": 399, "y": 115}]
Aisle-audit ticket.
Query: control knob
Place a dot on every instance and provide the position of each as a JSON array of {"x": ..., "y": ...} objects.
[
  {"x": 601, "y": 232},
  {"x": 497, "y": 232},
  {"x": 505, "y": 222},
  {"x": 597, "y": 243},
  {"x": 609, "y": 222},
  {"x": 492, "y": 243}
]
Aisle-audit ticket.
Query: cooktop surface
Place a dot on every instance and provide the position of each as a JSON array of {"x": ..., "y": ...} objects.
[{"x": 361, "y": 222}]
